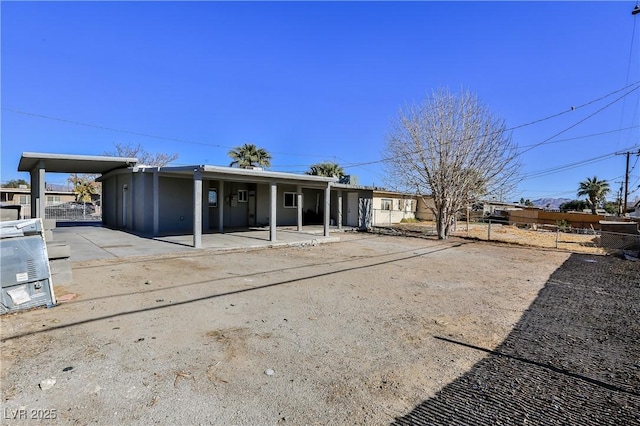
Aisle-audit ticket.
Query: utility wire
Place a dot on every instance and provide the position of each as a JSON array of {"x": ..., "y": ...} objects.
[
  {"x": 546, "y": 141},
  {"x": 587, "y": 136},
  {"x": 557, "y": 169},
  {"x": 148, "y": 135}
]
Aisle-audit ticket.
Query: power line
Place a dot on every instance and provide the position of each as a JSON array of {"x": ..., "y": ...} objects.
[
  {"x": 569, "y": 166},
  {"x": 587, "y": 136},
  {"x": 548, "y": 140},
  {"x": 149, "y": 135},
  {"x": 579, "y": 122}
]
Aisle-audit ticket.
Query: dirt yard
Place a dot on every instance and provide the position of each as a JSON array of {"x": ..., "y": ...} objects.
[
  {"x": 365, "y": 331},
  {"x": 539, "y": 237}
]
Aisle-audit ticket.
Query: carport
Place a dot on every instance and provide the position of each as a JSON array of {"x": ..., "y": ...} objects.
[{"x": 38, "y": 164}]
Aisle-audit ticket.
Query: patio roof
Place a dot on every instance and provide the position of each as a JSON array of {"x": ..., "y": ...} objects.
[{"x": 248, "y": 175}]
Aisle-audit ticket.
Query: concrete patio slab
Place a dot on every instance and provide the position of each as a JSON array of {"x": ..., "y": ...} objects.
[{"x": 92, "y": 241}]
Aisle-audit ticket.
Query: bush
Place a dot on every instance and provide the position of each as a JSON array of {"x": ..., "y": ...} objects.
[
  {"x": 409, "y": 220},
  {"x": 563, "y": 225}
]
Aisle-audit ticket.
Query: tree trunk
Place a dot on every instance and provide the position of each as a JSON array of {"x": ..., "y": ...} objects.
[{"x": 442, "y": 222}]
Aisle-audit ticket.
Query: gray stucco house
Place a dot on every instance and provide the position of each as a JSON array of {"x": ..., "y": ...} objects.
[
  {"x": 201, "y": 198},
  {"x": 155, "y": 201}
]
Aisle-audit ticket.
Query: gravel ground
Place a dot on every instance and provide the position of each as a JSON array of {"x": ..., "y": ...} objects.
[
  {"x": 573, "y": 358},
  {"x": 371, "y": 330}
]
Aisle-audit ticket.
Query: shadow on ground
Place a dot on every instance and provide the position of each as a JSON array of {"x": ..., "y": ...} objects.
[{"x": 573, "y": 358}]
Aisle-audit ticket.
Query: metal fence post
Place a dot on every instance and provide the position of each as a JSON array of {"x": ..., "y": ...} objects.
[
  {"x": 557, "y": 235},
  {"x": 489, "y": 231}
]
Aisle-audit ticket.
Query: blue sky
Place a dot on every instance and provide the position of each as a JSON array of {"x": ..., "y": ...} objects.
[{"x": 319, "y": 81}]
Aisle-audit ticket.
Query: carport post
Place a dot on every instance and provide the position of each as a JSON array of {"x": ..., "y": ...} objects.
[
  {"x": 38, "y": 198},
  {"x": 327, "y": 208},
  {"x": 221, "y": 206},
  {"x": 272, "y": 211},
  {"x": 156, "y": 202},
  {"x": 299, "y": 204},
  {"x": 197, "y": 209},
  {"x": 340, "y": 209}
]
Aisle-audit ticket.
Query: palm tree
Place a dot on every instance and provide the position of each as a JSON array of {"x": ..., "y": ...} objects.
[
  {"x": 249, "y": 155},
  {"x": 595, "y": 190},
  {"x": 327, "y": 169}
]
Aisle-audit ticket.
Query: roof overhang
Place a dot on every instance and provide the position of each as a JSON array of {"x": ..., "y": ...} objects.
[
  {"x": 245, "y": 175},
  {"x": 63, "y": 163}
]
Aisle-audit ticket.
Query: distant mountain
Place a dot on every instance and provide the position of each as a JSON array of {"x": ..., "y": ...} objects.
[{"x": 553, "y": 203}]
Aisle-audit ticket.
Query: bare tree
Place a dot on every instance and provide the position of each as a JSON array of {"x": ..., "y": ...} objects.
[
  {"x": 144, "y": 157},
  {"x": 451, "y": 148},
  {"x": 84, "y": 186}
]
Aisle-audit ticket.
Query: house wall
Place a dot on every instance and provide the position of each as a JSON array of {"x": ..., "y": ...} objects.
[
  {"x": 401, "y": 208},
  {"x": 142, "y": 202},
  {"x": 286, "y": 216},
  {"x": 132, "y": 209},
  {"x": 175, "y": 205},
  {"x": 350, "y": 205},
  {"x": 115, "y": 199},
  {"x": 236, "y": 212},
  {"x": 423, "y": 209}
]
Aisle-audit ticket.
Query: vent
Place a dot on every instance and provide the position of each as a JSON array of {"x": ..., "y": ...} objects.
[{"x": 31, "y": 269}]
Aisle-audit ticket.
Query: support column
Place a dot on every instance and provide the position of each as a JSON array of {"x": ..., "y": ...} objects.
[
  {"x": 340, "y": 209},
  {"x": 272, "y": 211},
  {"x": 299, "y": 204},
  {"x": 327, "y": 209},
  {"x": 197, "y": 209},
  {"x": 38, "y": 197},
  {"x": 156, "y": 202},
  {"x": 221, "y": 200}
]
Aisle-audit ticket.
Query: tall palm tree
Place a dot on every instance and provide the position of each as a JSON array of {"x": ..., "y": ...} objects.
[
  {"x": 327, "y": 169},
  {"x": 595, "y": 190},
  {"x": 249, "y": 155}
]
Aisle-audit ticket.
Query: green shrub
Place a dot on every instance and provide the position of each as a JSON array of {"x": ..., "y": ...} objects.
[{"x": 409, "y": 220}]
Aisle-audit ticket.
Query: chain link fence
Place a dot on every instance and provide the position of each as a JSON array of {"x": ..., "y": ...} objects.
[
  {"x": 73, "y": 211},
  {"x": 547, "y": 235}
]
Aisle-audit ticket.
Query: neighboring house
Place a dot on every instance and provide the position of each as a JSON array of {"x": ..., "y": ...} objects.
[
  {"x": 22, "y": 196},
  {"x": 366, "y": 206}
]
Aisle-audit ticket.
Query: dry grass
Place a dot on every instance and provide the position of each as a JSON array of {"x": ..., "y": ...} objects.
[{"x": 578, "y": 243}]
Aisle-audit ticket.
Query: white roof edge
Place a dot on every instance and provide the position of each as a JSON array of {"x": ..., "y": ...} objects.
[
  {"x": 248, "y": 172},
  {"x": 52, "y": 156}
]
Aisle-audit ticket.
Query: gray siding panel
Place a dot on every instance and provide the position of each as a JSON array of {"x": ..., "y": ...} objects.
[{"x": 176, "y": 205}]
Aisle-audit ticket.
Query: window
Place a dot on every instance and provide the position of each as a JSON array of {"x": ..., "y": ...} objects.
[
  {"x": 213, "y": 197},
  {"x": 386, "y": 204},
  {"x": 53, "y": 199},
  {"x": 243, "y": 195},
  {"x": 290, "y": 200},
  {"x": 24, "y": 199}
]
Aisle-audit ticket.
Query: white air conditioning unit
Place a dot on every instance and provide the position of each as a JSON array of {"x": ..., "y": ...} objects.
[{"x": 25, "y": 276}]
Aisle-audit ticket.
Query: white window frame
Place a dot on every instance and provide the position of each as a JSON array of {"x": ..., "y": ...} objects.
[
  {"x": 243, "y": 195},
  {"x": 388, "y": 202},
  {"x": 25, "y": 198},
  {"x": 294, "y": 198}
]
